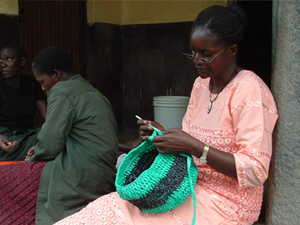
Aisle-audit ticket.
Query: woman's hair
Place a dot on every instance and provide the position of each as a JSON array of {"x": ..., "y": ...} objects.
[
  {"x": 19, "y": 48},
  {"x": 227, "y": 23},
  {"x": 53, "y": 58}
]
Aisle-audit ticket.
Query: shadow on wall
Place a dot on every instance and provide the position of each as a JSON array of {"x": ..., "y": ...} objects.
[
  {"x": 153, "y": 65},
  {"x": 134, "y": 63},
  {"x": 9, "y": 30}
]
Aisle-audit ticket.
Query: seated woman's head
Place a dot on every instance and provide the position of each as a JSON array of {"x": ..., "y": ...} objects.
[
  {"x": 12, "y": 60},
  {"x": 226, "y": 24},
  {"x": 51, "y": 65},
  {"x": 215, "y": 36}
]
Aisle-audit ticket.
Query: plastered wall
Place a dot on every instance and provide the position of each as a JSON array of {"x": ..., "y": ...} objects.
[
  {"x": 9, "y": 7},
  {"x": 9, "y": 22},
  {"x": 127, "y": 12}
]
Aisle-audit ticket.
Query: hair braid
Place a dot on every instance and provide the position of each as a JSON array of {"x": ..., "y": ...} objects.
[{"x": 227, "y": 23}]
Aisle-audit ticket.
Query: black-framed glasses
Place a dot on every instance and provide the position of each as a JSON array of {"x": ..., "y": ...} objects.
[{"x": 202, "y": 60}]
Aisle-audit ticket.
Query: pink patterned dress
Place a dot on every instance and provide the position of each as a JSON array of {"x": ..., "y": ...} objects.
[{"x": 241, "y": 122}]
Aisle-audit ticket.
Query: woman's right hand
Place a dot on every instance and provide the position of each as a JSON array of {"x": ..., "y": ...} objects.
[
  {"x": 5, "y": 143},
  {"x": 146, "y": 130}
]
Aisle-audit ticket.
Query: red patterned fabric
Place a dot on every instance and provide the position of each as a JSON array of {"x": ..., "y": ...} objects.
[{"x": 19, "y": 185}]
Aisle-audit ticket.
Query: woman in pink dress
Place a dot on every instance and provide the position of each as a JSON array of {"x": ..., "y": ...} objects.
[{"x": 227, "y": 129}]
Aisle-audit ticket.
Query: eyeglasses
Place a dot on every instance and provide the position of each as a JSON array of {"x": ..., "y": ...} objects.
[{"x": 202, "y": 60}]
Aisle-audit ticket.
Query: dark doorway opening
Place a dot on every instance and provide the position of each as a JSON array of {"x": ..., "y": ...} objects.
[
  {"x": 53, "y": 23},
  {"x": 256, "y": 47},
  {"x": 256, "y": 52}
]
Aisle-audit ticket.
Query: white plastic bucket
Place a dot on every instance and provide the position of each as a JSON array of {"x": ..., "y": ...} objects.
[{"x": 169, "y": 110}]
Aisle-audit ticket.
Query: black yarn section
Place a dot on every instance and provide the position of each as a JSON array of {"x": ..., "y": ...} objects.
[
  {"x": 158, "y": 196},
  {"x": 143, "y": 164}
]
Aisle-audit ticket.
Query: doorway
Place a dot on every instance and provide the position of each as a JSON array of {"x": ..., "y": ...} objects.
[
  {"x": 256, "y": 52},
  {"x": 53, "y": 23},
  {"x": 256, "y": 46}
]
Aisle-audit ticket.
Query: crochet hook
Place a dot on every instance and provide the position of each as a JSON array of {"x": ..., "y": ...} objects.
[{"x": 156, "y": 129}]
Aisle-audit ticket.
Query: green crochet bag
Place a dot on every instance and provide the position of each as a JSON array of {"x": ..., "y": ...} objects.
[{"x": 156, "y": 182}]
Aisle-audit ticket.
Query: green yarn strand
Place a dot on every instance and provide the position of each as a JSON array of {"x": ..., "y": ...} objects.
[{"x": 189, "y": 164}]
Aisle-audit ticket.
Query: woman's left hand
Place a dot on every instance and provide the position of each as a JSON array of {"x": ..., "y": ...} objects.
[
  {"x": 29, "y": 154},
  {"x": 175, "y": 141},
  {"x": 146, "y": 130}
]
